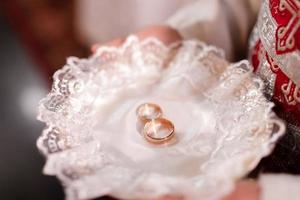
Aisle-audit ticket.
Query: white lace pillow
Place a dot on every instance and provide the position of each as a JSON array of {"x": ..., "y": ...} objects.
[{"x": 224, "y": 125}]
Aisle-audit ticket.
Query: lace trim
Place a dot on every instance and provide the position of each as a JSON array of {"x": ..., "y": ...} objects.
[{"x": 248, "y": 127}]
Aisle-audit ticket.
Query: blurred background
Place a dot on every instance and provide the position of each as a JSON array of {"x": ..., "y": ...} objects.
[{"x": 36, "y": 37}]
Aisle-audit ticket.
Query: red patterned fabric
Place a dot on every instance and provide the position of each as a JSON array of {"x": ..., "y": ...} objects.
[
  {"x": 284, "y": 91},
  {"x": 286, "y": 94},
  {"x": 287, "y": 15},
  {"x": 255, "y": 55}
]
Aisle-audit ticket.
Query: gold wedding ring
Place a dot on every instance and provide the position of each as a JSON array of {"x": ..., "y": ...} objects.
[
  {"x": 158, "y": 130},
  {"x": 155, "y": 129},
  {"x": 148, "y": 111}
]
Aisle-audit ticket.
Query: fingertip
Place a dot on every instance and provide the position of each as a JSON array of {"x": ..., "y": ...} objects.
[
  {"x": 166, "y": 34},
  {"x": 94, "y": 48},
  {"x": 245, "y": 190},
  {"x": 170, "y": 198}
]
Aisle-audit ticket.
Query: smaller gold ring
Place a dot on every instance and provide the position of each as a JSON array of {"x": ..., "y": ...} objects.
[
  {"x": 158, "y": 130},
  {"x": 149, "y": 111}
]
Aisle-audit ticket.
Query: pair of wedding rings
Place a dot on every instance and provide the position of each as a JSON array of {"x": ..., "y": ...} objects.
[{"x": 156, "y": 129}]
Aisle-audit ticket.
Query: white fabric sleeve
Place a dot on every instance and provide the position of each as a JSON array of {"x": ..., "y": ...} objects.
[
  {"x": 223, "y": 23},
  {"x": 279, "y": 187}
]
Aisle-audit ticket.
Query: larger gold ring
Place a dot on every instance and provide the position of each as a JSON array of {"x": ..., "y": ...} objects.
[
  {"x": 158, "y": 130},
  {"x": 149, "y": 111}
]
